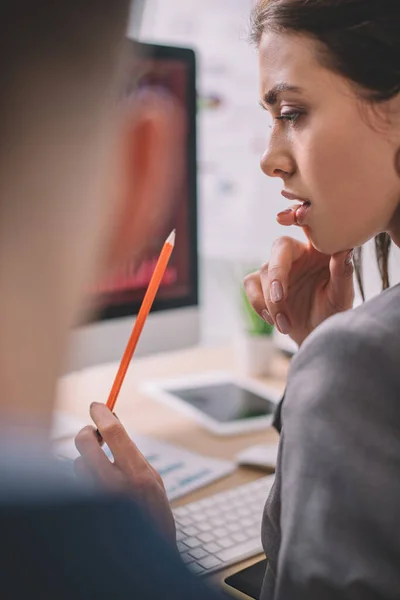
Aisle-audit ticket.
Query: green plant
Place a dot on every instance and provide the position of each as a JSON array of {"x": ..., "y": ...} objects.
[{"x": 255, "y": 325}]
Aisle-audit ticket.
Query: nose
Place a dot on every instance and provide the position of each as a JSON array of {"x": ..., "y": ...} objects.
[{"x": 277, "y": 161}]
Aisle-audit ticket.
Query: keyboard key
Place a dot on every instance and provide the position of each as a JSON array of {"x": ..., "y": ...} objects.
[
  {"x": 209, "y": 562},
  {"x": 239, "y": 537},
  {"x": 217, "y": 522},
  {"x": 182, "y": 547},
  {"x": 187, "y": 558},
  {"x": 226, "y": 542},
  {"x": 183, "y": 521},
  {"x": 179, "y": 535},
  {"x": 192, "y": 542},
  {"x": 212, "y": 547},
  {"x": 197, "y": 517},
  {"x": 206, "y": 537},
  {"x": 220, "y": 532},
  {"x": 182, "y": 511},
  {"x": 231, "y": 517},
  {"x": 190, "y": 531},
  {"x": 196, "y": 568},
  {"x": 198, "y": 553},
  {"x": 204, "y": 526},
  {"x": 230, "y": 494},
  {"x": 236, "y": 503},
  {"x": 237, "y": 550},
  {"x": 207, "y": 502}
]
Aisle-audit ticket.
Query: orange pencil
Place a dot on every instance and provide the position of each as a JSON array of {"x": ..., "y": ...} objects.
[{"x": 141, "y": 318}]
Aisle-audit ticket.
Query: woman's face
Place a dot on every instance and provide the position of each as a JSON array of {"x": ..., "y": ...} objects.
[{"x": 328, "y": 147}]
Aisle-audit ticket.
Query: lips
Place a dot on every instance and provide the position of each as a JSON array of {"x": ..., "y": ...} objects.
[
  {"x": 302, "y": 210},
  {"x": 294, "y": 197}
]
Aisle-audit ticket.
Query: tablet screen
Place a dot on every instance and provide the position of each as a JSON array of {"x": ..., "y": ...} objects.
[{"x": 225, "y": 402}]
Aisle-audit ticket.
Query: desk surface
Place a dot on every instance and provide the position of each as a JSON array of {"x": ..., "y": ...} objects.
[{"x": 145, "y": 415}]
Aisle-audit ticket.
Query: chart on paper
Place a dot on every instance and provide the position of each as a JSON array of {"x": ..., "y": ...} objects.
[{"x": 181, "y": 470}]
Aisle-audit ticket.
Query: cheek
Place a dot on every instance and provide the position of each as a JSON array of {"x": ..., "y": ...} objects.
[
  {"x": 347, "y": 174},
  {"x": 331, "y": 165}
]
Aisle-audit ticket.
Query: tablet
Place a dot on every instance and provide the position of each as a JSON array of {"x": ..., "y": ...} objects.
[{"x": 222, "y": 402}]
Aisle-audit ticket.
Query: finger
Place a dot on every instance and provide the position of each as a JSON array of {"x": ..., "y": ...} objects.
[
  {"x": 82, "y": 471},
  {"x": 276, "y": 313},
  {"x": 87, "y": 445},
  {"x": 266, "y": 315},
  {"x": 288, "y": 217},
  {"x": 125, "y": 452},
  {"x": 274, "y": 279},
  {"x": 157, "y": 476},
  {"x": 261, "y": 305},
  {"x": 340, "y": 288},
  {"x": 255, "y": 294}
]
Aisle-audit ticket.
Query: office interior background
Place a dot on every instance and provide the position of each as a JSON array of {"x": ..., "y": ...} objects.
[{"x": 237, "y": 203}]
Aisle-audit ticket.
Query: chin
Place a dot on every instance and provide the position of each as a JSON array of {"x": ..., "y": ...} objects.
[{"x": 327, "y": 244}]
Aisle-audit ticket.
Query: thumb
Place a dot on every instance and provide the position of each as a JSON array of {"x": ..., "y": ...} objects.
[{"x": 341, "y": 288}]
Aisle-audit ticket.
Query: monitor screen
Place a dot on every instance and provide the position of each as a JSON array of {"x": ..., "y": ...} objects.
[{"x": 167, "y": 70}]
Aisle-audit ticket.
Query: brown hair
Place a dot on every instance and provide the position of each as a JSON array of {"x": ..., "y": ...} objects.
[{"x": 359, "y": 39}]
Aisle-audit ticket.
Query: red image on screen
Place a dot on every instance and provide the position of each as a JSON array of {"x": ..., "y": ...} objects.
[{"x": 128, "y": 284}]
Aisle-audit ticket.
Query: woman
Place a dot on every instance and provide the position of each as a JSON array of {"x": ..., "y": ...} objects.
[{"x": 330, "y": 78}]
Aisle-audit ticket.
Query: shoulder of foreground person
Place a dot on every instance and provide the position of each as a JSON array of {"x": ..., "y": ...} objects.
[
  {"x": 341, "y": 459},
  {"x": 69, "y": 545}
]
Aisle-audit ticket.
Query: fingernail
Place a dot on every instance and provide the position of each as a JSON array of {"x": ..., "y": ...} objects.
[
  {"x": 276, "y": 291},
  {"x": 267, "y": 317},
  {"x": 349, "y": 257},
  {"x": 285, "y": 212},
  {"x": 282, "y": 323}
]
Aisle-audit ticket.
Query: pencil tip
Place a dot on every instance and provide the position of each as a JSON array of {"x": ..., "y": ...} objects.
[{"x": 171, "y": 238}]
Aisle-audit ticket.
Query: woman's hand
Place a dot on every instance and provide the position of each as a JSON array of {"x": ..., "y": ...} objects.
[
  {"x": 130, "y": 471},
  {"x": 300, "y": 287}
]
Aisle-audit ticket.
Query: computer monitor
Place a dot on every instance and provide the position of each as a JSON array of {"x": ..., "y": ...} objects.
[{"x": 174, "y": 321}]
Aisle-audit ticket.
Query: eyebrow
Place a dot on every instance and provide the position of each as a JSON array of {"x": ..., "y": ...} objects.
[{"x": 271, "y": 97}]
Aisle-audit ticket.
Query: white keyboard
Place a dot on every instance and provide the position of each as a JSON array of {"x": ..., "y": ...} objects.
[{"x": 223, "y": 529}]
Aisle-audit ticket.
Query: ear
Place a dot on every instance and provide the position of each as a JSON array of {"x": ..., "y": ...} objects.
[{"x": 151, "y": 171}]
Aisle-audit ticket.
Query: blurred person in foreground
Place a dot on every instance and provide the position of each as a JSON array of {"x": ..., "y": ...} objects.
[{"x": 83, "y": 180}]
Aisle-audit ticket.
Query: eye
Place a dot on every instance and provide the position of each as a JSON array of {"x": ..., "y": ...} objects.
[{"x": 289, "y": 116}]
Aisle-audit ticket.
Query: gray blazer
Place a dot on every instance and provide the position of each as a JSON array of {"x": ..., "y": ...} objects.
[{"x": 331, "y": 526}]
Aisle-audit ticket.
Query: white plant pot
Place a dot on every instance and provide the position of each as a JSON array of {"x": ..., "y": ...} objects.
[{"x": 254, "y": 354}]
